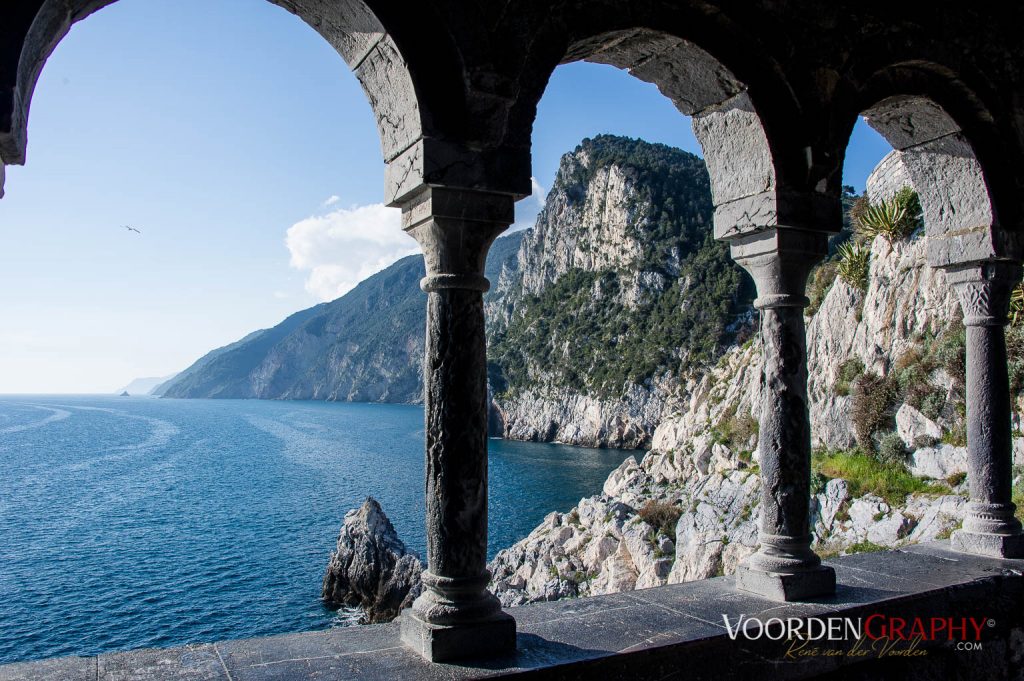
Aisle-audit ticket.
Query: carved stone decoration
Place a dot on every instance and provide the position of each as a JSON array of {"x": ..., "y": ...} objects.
[
  {"x": 784, "y": 567},
  {"x": 990, "y": 527},
  {"x": 455, "y": 616}
]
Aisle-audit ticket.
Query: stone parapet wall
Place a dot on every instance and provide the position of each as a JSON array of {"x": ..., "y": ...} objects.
[
  {"x": 653, "y": 634},
  {"x": 888, "y": 177}
]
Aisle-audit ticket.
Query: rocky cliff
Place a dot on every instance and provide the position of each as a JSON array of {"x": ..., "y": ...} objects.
[
  {"x": 887, "y": 407},
  {"x": 593, "y": 328}
]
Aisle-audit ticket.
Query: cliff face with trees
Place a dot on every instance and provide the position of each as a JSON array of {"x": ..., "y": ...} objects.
[
  {"x": 582, "y": 323},
  {"x": 619, "y": 290}
]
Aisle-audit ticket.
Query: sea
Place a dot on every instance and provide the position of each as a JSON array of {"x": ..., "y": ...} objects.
[{"x": 129, "y": 522}]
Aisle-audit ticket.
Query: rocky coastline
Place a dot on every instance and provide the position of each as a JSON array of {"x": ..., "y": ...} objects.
[{"x": 686, "y": 508}]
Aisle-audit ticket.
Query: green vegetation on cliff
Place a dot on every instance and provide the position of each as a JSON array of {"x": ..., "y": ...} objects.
[{"x": 669, "y": 310}]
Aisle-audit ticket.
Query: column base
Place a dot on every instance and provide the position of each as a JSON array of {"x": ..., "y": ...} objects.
[
  {"x": 796, "y": 586},
  {"x": 489, "y": 637},
  {"x": 984, "y": 544}
]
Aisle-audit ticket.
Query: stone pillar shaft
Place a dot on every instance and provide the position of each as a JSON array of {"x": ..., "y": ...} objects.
[
  {"x": 784, "y": 439},
  {"x": 456, "y": 617},
  {"x": 455, "y": 425},
  {"x": 989, "y": 526},
  {"x": 989, "y": 446},
  {"x": 784, "y": 567}
]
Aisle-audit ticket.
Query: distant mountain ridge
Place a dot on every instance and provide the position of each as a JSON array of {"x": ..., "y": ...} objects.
[
  {"x": 145, "y": 386},
  {"x": 366, "y": 346}
]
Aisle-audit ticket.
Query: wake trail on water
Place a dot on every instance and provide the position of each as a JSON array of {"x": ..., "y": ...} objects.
[
  {"x": 298, "y": 446},
  {"x": 161, "y": 434},
  {"x": 56, "y": 415},
  {"x": 124, "y": 484}
]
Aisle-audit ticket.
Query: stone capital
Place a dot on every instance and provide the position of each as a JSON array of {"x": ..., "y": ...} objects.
[
  {"x": 779, "y": 260},
  {"x": 455, "y": 228},
  {"x": 984, "y": 289}
]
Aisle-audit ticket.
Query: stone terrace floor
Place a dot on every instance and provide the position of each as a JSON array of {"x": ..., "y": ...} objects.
[{"x": 661, "y": 633}]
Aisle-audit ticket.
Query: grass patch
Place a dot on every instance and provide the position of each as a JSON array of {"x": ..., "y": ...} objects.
[
  {"x": 865, "y": 474},
  {"x": 849, "y": 372},
  {"x": 1018, "y": 498},
  {"x": 957, "y": 435},
  {"x": 948, "y": 532},
  {"x": 864, "y": 547},
  {"x": 735, "y": 431},
  {"x": 821, "y": 282}
]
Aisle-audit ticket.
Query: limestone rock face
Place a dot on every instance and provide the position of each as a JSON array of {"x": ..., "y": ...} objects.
[
  {"x": 605, "y": 545},
  {"x": 568, "y": 417},
  {"x": 938, "y": 462},
  {"x": 704, "y": 450},
  {"x": 905, "y": 300},
  {"x": 593, "y": 234},
  {"x": 621, "y": 233},
  {"x": 915, "y": 428},
  {"x": 371, "y": 567}
]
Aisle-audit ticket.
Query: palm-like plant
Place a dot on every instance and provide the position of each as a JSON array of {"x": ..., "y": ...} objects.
[
  {"x": 1017, "y": 304},
  {"x": 854, "y": 260},
  {"x": 895, "y": 218}
]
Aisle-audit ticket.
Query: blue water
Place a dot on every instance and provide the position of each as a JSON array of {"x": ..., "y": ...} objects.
[{"x": 131, "y": 522}]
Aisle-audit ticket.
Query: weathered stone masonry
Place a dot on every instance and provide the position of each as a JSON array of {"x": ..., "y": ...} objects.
[
  {"x": 774, "y": 90},
  {"x": 455, "y": 611}
]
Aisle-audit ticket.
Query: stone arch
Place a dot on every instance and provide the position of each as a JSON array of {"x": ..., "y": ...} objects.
[
  {"x": 940, "y": 161},
  {"x": 748, "y": 188},
  {"x": 350, "y": 26}
]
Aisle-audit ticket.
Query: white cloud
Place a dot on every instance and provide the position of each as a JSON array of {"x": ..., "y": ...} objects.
[
  {"x": 343, "y": 247},
  {"x": 339, "y": 249},
  {"x": 528, "y": 208},
  {"x": 331, "y": 200}
]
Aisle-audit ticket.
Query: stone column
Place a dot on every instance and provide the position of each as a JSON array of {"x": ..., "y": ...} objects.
[
  {"x": 784, "y": 567},
  {"x": 456, "y": 617},
  {"x": 989, "y": 527}
]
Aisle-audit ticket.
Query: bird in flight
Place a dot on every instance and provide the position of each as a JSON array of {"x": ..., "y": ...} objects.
[{"x": 131, "y": 229}]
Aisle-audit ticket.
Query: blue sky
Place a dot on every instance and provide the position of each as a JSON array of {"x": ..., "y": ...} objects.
[{"x": 235, "y": 138}]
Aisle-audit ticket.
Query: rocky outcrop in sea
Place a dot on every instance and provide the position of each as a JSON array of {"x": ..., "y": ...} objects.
[{"x": 371, "y": 568}]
